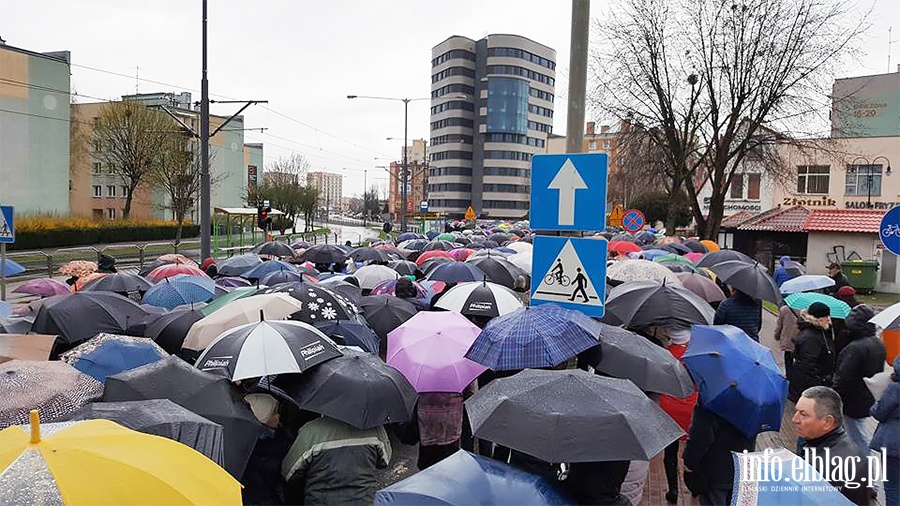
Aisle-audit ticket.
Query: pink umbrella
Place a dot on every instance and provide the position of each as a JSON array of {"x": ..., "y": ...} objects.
[
  {"x": 461, "y": 254},
  {"x": 165, "y": 271},
  {"x": 44, "y": 287},
  {"x": 429, "y": 350},
  {"x": 694, "y": 257}
]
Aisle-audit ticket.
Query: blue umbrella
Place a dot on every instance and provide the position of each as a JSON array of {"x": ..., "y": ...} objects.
[
  {"x": 465, "y": 478},
  {"x": 5, "y": 310},
  {"x": 12, "y": 268},
  {"x": 457, "y": 272},
  {"x": 408, "y": 236},
  {"x": 536, "y": 336},
  {"x": 113, "y": 356},
  {"x": 179, "y": 290},
  {"x": 352, "y": 332},
  {"x": 261, "y": 270},
  {"x": 283, "y": 276},
  {"x": 738, "y": 378},
  {"x": 650, "y": 254}
]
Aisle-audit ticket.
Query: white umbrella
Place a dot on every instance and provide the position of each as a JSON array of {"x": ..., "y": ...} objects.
[
  {"x": 274, "y": 306},
  {"x": 889, "y": 319},
  {"x": 371, "y": 275},
  {"x": 806, "y": 283},
  {"x": 521, "y": 260},
  {"x": 520, "y": 247},
  {"x": 480, "y": 298}
]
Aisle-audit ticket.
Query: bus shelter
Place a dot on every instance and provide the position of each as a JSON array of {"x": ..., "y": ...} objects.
[{"x": 235, "y": 230}]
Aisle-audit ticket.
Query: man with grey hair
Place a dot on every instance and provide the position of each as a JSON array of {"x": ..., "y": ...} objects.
[{"x": 819, "y": 422}]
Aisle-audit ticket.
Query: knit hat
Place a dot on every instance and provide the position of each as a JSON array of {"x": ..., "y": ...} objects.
[
  {"x": 818, "y": 310},
  {"x": 858, "y": 321},
  {"x": 262, "y": 405},
  {"x": 846, "y": 291}
]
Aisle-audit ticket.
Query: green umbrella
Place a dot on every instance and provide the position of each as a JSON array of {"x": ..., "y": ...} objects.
[
  {"x": 221, "y": 300},
  {"x": 839, "y": 308},
  {"x": 446, "y": 237},
  {"x": 671, "y": 257}
]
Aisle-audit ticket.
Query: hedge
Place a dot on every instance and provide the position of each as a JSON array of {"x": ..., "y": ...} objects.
[{"x": 63, "y": 237}]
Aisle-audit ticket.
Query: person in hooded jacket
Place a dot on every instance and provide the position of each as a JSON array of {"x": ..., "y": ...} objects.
[
  {"x": 107, "y": 264},
  {"x": 863, "y": 357},
  {"x": 887, "y": 435},
  {"x": 786, "y": 332},
  {"x": 781, "y": 274},
  {"x": 814, "y": 353},
  {"x": 742, "y": 311}
]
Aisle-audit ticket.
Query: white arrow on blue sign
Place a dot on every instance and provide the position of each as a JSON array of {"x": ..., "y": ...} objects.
[{"x": 568, "y": 191}]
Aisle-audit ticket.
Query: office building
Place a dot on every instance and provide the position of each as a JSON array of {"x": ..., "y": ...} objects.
[
  {"x": 491, "y": 111},
  {"x": 329, "y": 186}
]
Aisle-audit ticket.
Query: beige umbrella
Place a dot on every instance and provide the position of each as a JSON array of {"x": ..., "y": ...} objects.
[
  {"x": 641, "y": 270},
  {"x": 25, "y": 346},
  {"x": 274, "y": 306}
]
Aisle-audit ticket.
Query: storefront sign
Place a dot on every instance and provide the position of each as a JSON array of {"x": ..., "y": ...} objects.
[
  {"x": 819, "y": 201},
  {"x": 880, "y": 206},
  {"x": 734, "y": 206},
  {"x": 251, "y": 177}
]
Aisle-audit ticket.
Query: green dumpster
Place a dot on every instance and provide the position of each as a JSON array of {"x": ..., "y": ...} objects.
[{"x": 861, "y": 274}]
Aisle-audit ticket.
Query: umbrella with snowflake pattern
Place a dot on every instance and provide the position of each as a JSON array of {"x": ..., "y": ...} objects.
[{"x": 318, "y": 303}]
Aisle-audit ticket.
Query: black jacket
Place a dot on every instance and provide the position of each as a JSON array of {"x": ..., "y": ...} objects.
[
  {"x": 864, "y": 357},
  {"x": 814, "y": 356},
  {"x": 839, "y": 280},
  {"x": 711, "y": 440},
  {"x": 840, "y": 445}
]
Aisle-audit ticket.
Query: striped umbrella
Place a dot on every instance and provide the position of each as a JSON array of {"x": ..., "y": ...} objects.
[{"x": 802, "y": 300}]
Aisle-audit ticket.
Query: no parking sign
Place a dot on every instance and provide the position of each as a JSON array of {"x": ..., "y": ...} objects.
[{"x": 633, "y": 220}]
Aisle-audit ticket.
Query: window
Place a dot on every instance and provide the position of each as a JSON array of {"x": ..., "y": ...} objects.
[
  {"x": 453, "y": 53},
  {"x": 96, "y": 168},
  {"x": 505, "y": 188},
  {"x": 453, "y": 88},
  {"x": 505, "y": 171},
  {"x": 507, "y": 105},
  {"x": 521, "y": 53},
  {"x": 863, "y": 180},
  {"x": 813, "y": 179},
  {"x": 455, "y": 138},
  {"x": 111, "y": 213},
  {"x": 97, "y": 214},
  {"x": 453, "y": 71},
  {"x": 452, "y": 104},
  {"x": 452, "y": 155},
  {"x": 97, "y": 190},
  {"x": 543, "y": 95},
  {"x": 450, "y": 171},
  {"x": 124, "y": 191},
  {"x": 737, "y": 187},
  {"x": 606, "y": 144},
  {"x": 592, "y": 146},
  {"x": 450, "y": 187},
  {"x": 111, "y": 190},
  {"x": 541, "y": 111},
  {"x": 454, "y": 121},
  {"x": 520, "y": 71},
  {"x": 753, "y": 183},
  {"x": 96, "y": 144},
  {"x": 503, "y": 204},
  {"x": 506, "y": 155}
]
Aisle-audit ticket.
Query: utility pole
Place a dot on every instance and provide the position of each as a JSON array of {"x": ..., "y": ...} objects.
[
  {"x": 205, "y": 198},
  {"x": 404, "y": 179},
  {"x": 581, "y": 12},
  {"x": 365, "y": 199}
]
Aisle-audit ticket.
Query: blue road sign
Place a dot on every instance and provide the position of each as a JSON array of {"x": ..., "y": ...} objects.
[
  {"x": 889, "y": 232},
  {"x": 7, "y": 225},
  {"x": 570, "y": 272},
  {"x": 568, "y": 192},
  {"x": 633, "y": 220}
]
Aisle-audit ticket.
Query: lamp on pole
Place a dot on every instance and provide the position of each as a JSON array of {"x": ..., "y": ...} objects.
[{"x": 870, "y": 175}]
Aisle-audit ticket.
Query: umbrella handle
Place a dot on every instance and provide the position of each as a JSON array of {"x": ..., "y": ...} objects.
[
  {"x": 262, "y": 317},
  {"x": 35, "y": 421}
]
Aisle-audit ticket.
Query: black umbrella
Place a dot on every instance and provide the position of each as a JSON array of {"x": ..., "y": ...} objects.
[
  {"x": 209, "y": 396},
  {"x": 170, "y": 329},
  {"x": 405, "y": 267},
  {"x": 752, "y": 279},
  {"x": 129, "y": 285},
  {"x": 16, "y": 325},
  {"x": 282, "y": 276},
  {"x": 274, "y": 248},
  {"x": 490, "y": 244},
  {"x": 357, "y": 388},
  {"x": 237, "y": 265},
  {"x": 724, "y": 255},
  {"x": 300, "y": 244},
  {"x": 266, "y": 348},
  {"x": 499, "y": 270},
  {"x": 456, "y": 272},
  {"x": 385, "y": 313},
  {"x": 498, "y": 238},
  {"x": 319, "y": 303},
  {"x": 653, "y": 303},
  {"x": 679, "y": 248},
  {"x": 571, "y": 416},
  {"x": 148, "y": 268},
  {"x": 408, "y": 236},
  {"x": 80, "y": 316},
  {"x": 413, "y": 244},
  {"x": 353, "y": 332},
  {"x": 324, "y": 254},
  {"x": 439, "y": 245},
  {"x": 371, "y": 255},
  {"x": 160, "y": 417},
  {"x": 624, "y": 354},
  {"x": 695, "y": 246},
  {"x": 678, "y": 267},
  {"x": 348, "y": 290},
  {"x": 432, "y": 263}
]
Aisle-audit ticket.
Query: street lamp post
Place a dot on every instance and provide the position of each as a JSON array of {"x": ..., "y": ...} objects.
[{"x": 869, "y": 174}]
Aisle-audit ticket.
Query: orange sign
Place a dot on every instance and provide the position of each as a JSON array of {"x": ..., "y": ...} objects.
[
  {"x": 470, "y": 213},
  {"x": 615, "y": 216}
]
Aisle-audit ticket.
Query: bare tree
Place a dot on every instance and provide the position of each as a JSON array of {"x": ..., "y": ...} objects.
[
  {"x": 130, "y": 135},
  {"x": 284, "y": 185},
  {"x": 712, "y": 82}
]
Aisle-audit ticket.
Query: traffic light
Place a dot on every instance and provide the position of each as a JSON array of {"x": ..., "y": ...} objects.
[{"x": 263, "y": 220}]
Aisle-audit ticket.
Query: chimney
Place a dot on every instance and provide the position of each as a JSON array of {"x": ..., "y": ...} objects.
[
  {"x": 590, "y": 128},
  {"x": 604, "y": 129}
]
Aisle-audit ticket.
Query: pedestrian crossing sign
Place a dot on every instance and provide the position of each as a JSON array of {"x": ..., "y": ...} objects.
[
  {"x": 571, "y": 272},
  {"x": 7, "y": 226}
]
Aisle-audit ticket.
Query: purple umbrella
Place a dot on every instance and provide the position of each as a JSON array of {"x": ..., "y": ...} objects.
[
  {"x": 44, "y": 287},
  {"x": 389, "y": 287},
  {"x": 232, "y": 282},
  {"x": 429, "y": 350}
]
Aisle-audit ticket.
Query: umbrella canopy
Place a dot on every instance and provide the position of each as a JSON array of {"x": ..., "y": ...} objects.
[
  {"x": 324, "y": 254},
  {"x": 413, "y": 244},
  {"x": 55, "y": 388},
  {"x": 839, "y": 308},
  {"x": 521, "y": 247},
  {"x": 286, "y": 276},
  {"x": 461, "y": 254},
  {"x": 711, "y": 246},
  {"x": 170, "y": 329},
  {"x": 136, "y": 468},
  {"x": 220, "y": 301},
  {"x": 888, "y": 319},
  {"x": 232, "y": 282},
  {"x": 761, "y": 483},
  {"x": 356, "y": 388},
  {"x": 274, "y": 249},
  {"x": 16, "y": 325},
  {"x": 457, "y": 272},
  {"x": 180, "y": 289},
  {"x": 147, "y": 268},
  {"x": 408, "y": 236},
  {"x": 624, "y": 354},
  {"x": 82, "y": 281},
  {"x": 437, "y": 244},
  {"x": 177, "y": 258},
  {"x": 266, "y": 348},
  {"x": 480, "y": 299},
  {"x": 500, "y": 270},
  {"x": 385, "y": 313},
  {"x": 432, "y": 263},
  {"x": 168, "y": 270},
  {"x": 651, "y": 303},
  {"x": 366, "y": 254},
  {"x": 466, "y": 478},
  {"x": 12, "y": 268},
  {"x": 521, "y": 260},
  {"x": 268, "y": 267},
  {"x": 537, "y": 336},
  {"x": 693, "y": 256},
  {"x": 352, "y": 332},
  {"x": 429, "y": 350},
  {"x": 406, "y": 268},
  {"x": 342, "y": 287},
  {"x": 671, "y": 257},
  {"x": 5, "y": 309},
  {"x": 696, "y": 246},
  {"x": 370, "y": 275},
  {"x": 274, "y": 306},
  {"x": 238, "y": 265},
  {"x": 652, "y": 253},
  {"x": 77, "y": 268},
  {"x": 640, "y": 270},
  {"x": 25, "y": 347},
  {"x": 43, "y": 287},
  {"x": 80, "y": 316},
  {"x": 129, "y": 285},
  {"x": 619, "y": 420},
  {"x": 806, "y": 283},
  {"x": 752, "y": 279},
  {"x": 109, "y": 354},
  {"x": 738, "y": 378},
  {"x": 706, "y": 288},
  {"x": 428, "y": 255},
  {"x": 315, "y": 302},
  {"x": 389, "y": 287},
  {"x": 160, "y": 417},
  {"x": 211, "y": 397},
  {"x": 724, "y": 255},
  {"x": 623, "y": 247}
]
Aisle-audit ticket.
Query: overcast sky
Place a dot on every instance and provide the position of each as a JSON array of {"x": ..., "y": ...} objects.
[{"x": 305, "y": 57}]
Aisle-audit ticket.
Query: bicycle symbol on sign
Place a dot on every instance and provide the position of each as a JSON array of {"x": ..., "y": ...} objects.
[
  {"x": 557, "y": 275},
  {"x": 891, "y": 230}
]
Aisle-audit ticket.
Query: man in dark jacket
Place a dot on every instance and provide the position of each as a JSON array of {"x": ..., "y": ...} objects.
[
  {"x": 835, "y": 273},
  {"x": 814, "y": 355},
  {"x": 887, "y": 435},
  {"x": 863, "y": 357},
  {"x": 818, "y": 420},
  {"x": 742, "y": 311},
  {"x": 708, "y": 465}
]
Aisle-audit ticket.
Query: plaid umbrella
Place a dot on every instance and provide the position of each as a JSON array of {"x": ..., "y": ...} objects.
[
  {"x": 54, "y": 388},
  {"x": 538, "y": 336},
  {"x": 43, "y": 287},
  {"x": 179, "y": 290},
  {"x": 640, "y": 270}
]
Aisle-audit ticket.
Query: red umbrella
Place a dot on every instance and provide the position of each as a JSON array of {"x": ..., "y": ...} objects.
[
  {"x": 165, "y": 271},
  {"x": 623, "y": 247},
  {"x": 432, "y": 254},
  {"x": 461, "y": 254}
]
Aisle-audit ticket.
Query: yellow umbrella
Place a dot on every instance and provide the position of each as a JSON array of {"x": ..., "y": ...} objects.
[
  {"x": 710, "y": 245},
  {"x": 98, "y": 462}
]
